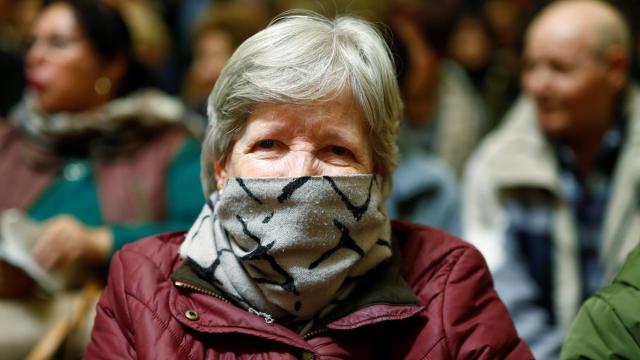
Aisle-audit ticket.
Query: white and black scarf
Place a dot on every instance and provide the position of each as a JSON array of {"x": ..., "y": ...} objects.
[
  {"x": 112, "y": 127},
  {"x": 288, "y": 247}
]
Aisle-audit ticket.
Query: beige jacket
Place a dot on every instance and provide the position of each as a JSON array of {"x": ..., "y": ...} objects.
[{"x": 518, "y": 155}]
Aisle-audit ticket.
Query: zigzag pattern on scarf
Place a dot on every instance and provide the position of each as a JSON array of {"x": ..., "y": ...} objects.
[{"x": 253, "y": 231}]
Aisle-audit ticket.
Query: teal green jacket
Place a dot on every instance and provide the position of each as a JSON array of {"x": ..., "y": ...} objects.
[
  {"x": 75, "y": 193},
  {"x": 608, "y": 324},
  {"x": 148, "y": 191},
  {"x": 132, "y": 165}
]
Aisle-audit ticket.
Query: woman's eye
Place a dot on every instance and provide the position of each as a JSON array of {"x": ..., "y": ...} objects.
[
  {"x": 339, "y": 150},
  {"x": 266, "y": 144},
  {"x": 60, "y": 42}
]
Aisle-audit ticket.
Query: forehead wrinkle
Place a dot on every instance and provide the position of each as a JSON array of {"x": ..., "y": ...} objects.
[{"x": 347, "y": 110}]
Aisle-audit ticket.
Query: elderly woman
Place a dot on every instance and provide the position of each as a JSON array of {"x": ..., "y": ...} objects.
[
  {"x": 90, "y": 159},
  {"x": 293, "y": 255}
]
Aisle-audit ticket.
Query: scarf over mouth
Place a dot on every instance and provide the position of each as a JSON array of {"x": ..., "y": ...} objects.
[{"x": 290, "y": 247}]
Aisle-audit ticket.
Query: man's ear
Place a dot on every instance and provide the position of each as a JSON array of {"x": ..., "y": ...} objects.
[
  {"x": 618, "y": 61},
  {"x": 220, "y": 173}
]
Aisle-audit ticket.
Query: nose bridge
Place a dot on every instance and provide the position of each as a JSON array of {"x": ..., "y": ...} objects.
[{"x": 303, "y": 163}]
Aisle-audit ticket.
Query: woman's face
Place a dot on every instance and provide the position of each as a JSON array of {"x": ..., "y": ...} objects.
[
  {"x": 285, "y": 140},
  {"x": 212, "y": 50},
  {"x": 62, "y": 67}
]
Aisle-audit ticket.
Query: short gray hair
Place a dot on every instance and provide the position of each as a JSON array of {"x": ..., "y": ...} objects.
[{"x": 299, "y": 58}]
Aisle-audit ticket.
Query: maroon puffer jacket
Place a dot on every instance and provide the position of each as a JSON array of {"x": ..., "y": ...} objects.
[{"x": 143, "y": 314}]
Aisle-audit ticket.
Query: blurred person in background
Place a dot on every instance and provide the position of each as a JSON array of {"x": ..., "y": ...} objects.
[
  {"x": 440, "y": 117},
  {"x": 91, "y": 153},
  {"x": 608, "y": 324},
  {"x": 444, "y": 115},
  {"x": 293, "y": 255},
  {"x": 152, "y": 38},
  {"x": 492, "y": 68},
  {"x": 16, "y": 17},
  {"x": 369, "y": 10},
  {"x": 183, "y": 19},
  {"x": 425, "y": 191},
  {"x": 224, "y": 26},
  {"x": 149, "y": 32},
  {"x": 550, "y": 196},
  {"x": 15, "y": 25}
]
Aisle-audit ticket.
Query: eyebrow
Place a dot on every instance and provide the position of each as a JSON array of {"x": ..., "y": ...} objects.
[
  {"x": 278, "y": 124},
  {"x": 338, "y": 137}
]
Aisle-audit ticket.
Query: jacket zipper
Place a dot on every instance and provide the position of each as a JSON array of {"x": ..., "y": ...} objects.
[
  {"x": 267, "y": 317},
  {"x": 315, "y": 333},
  {"x": 183, "y": 285}
]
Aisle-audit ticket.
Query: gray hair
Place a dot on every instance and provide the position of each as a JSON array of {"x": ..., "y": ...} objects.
[{"x": 300, "y": 58}]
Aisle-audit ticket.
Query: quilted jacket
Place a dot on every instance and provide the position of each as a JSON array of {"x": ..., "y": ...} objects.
[
  {"x": 608, "y": 324},
  {"x": 433, "y": 300}
]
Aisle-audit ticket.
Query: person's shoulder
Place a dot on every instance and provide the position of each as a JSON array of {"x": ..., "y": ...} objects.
[
  {"x": 157, "y": 252},
  {"x": 419, "y": 169},
  {"x": 623, "y": 294},
  {"x": 606, "y": 323},
  {"x": 419, "y": 235},
  {"x": 427, "y": 250},
  {"x": 452, "y": 281},
  {"x": 419, "y": 174},
  {"x": 6, "y": 130}
]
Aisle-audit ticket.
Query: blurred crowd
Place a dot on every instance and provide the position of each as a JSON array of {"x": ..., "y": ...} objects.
[
  {"x": 470, "y": 73},
  {"x": 185, "y": 43},
  {"x": 173, "y": 39}
]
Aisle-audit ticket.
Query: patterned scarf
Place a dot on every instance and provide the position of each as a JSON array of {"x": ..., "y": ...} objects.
[
  {"x": 116, "y": 126},
  {"x": 288, "y": 247}
]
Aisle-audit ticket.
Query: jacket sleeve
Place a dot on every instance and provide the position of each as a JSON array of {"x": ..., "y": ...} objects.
[
  {"x": 479, "y": 325},
  {"x": 112, "y": 336},
  {"x": 606, "y": 327},
  {"x": 485, "y": 226}
]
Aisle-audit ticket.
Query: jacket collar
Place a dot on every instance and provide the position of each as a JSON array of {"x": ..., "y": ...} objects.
[{"x": 522, "y": 157}]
